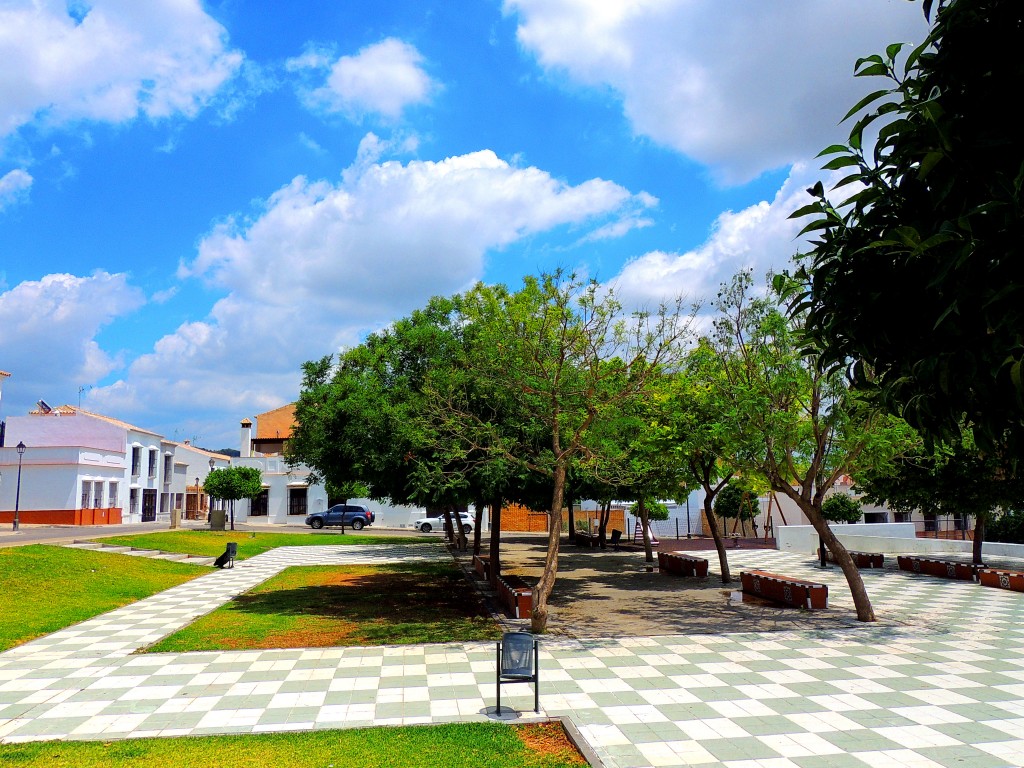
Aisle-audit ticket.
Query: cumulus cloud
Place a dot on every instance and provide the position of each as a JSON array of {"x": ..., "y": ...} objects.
[
  {"x": 325, "y": 262},
  {"x": 14, "y": 187},
  {"x": 49, "y": 329},
  {"x": 760, "y": 237},
  {"x": 108, "y": 60},
  {"x": 381, "y": 80},
  {"x": 756, "y": 87}
]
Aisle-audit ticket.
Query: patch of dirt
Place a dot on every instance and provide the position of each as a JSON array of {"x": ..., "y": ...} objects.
[
  {"x": 551, "y": 740},
  {"x": 607, "y": 593}
]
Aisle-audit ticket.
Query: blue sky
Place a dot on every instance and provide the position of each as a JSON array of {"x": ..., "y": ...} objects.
[{"x": 197, "y": 197}]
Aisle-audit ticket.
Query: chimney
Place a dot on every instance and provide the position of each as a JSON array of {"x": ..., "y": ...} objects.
[{"x": 246, "y": 447}]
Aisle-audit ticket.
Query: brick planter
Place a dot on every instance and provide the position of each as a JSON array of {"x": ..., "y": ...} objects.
[
  {"x": 783, "y": 589},
  {"x": 683, "y": 565},
  {"x": 945, "y": 569},
  {"x": 482, "y": 567},
  {"x": 1012, "y": 580},
  {"x": 860, "y": 559},
  {"x": 516, "y": 595}
]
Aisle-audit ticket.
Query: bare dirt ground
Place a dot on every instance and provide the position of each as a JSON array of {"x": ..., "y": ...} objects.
[{"x": 604, "y": 593}]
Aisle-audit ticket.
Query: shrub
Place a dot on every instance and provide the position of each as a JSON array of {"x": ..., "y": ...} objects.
[{"x": 841, "y": 508}]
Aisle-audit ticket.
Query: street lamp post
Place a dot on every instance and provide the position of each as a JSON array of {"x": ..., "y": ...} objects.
[{"x": 17, "y": 491}]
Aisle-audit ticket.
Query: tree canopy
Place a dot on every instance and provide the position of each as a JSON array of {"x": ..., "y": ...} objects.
[{"x": 914, "y": 279}]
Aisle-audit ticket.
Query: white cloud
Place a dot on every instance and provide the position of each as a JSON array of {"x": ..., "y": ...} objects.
[
  {"x": 761, "y": 237},
  {"x": 49, "y": 334},
  {"x": 742, "y": 90},
  {"x": 109, "y": 60},
  {"x": 382, "y": 80},
  {"x": 14, "y": 186},
  {"x": 324, "y": 263}
]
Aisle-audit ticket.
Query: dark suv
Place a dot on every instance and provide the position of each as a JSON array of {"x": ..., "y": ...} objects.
[{"x": 356, "y": 516}]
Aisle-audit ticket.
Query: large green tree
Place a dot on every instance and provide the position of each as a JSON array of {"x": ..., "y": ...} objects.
[
  {"x": 799, "y": 425},
  {"x": 567, "y": 358},
  {"x": 914, "y": 279}
]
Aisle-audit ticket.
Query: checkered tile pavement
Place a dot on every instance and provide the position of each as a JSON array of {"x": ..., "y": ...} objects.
[{"x": 939, "y": 681}]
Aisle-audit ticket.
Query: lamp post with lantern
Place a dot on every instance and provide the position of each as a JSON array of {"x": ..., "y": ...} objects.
[{"x": 17, "y": 492}]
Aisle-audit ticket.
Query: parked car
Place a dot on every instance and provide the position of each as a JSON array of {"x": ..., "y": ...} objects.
[
  {"x": 356, "y": 516},
  {"x": 438, "y": 521}
]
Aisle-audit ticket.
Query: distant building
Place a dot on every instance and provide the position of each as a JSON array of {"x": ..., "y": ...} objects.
[{"x": 82, "y": 468}]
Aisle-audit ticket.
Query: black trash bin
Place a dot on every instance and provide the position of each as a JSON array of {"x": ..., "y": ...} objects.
[{"x": 518, "y": 662}]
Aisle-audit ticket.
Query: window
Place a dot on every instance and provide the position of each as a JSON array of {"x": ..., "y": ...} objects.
[
  {"x": 86, "y": 493},
  {"x": 876, "y": 517},
  {"x": 168, "y": 469},
  {"x": 97, "y": 495},
  {"x": 152, "y": 463},
  {"x": 296, "y": 501},
  {"x": 112, "y": 494},
  {"x": 136, "y": 461},
  {"x": 133, "y": 501},
  {"x": 903, "y": 517},
  {"x": 931, "y": 522}
]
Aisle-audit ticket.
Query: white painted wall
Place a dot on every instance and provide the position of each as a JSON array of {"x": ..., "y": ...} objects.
[{"x": 804, "y": 539}]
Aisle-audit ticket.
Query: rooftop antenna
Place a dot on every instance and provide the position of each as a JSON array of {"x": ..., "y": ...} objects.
[{"x": 82, "y": 389}]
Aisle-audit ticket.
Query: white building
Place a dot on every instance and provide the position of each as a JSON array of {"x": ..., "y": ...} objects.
[{"x": 81, "y": 468}]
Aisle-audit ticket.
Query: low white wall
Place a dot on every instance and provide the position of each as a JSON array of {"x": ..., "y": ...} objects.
[{"x": 803, "y": 538}]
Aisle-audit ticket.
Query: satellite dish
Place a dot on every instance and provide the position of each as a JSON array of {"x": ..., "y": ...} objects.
[{"x": 43, "y": 406}]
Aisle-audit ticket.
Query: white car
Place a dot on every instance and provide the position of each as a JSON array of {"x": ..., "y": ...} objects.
[{"x": 432, "y": 522}]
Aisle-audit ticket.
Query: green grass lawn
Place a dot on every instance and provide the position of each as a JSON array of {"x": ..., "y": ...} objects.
[
  {"x": 48, "y": 588},
  {"x": 319, "y": 606},
  {"x": 250, "y": 544},
  {"x": 462, "y": 745}
]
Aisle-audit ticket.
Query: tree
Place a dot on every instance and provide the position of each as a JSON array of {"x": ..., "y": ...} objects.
[
  {"x": 697, "y": 431},
  {"x": 914, "y": 280},
  {"x": 798, "y": 425},
  {"x": 233, "y": 483},
  {"x": 737, "y": 501},
  {"x": 841, "y": 508},
  {"x": 566, "y": 358},
  {"x": 949, "y": 479}
]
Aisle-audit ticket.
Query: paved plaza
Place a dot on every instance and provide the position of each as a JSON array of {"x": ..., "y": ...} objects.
[{"x": 938, "y": 682}]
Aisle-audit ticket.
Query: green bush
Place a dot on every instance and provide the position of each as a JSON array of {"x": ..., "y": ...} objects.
[
  {"x": 730, "y": 502},
  {"x": 840, "y": 508},
  {"x": 1008, "y": 528}
]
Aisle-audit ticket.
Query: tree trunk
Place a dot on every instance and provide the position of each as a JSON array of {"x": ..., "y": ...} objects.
[
  {"x": 644, "y": 523},
  {"x": 979, "y": 536},
  {"x": 723, "y": 558},
  {"x": 495, "y": 569},
  {"x": 449, "y": 526},
  {"x": 861, "y": 601},
  {"x": 479, "y": 505},
  {"x": 602, "y": 525},
  {"x": 539, "y": 623}
]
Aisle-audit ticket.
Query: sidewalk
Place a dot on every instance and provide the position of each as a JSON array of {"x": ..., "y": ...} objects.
[{"x": 943, "y": 688}]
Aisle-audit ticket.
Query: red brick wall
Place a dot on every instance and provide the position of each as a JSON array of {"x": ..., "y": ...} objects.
[
  {"x": 110, "y": 516},
  {"x": 516, "y": 517}
]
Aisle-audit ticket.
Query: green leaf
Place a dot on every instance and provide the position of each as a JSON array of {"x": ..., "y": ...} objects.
[{"x": 870, "y": 98}]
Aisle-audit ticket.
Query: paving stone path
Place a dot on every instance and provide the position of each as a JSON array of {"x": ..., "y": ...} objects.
[{"x": 941, "y": 683}]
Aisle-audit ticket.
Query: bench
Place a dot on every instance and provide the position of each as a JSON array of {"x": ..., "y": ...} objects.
[
  {"x": 684, "y": 565},
  {"x": 783, "y": 589},
  {"x": 946, "y": 569},
  {"x": 585, "y": 539},
  {"x": 516, "y": 595},
  {"x": 993, "y": 577},
  {"x": 482, "y": 566},
  {"x": 860, "y": 559}
]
